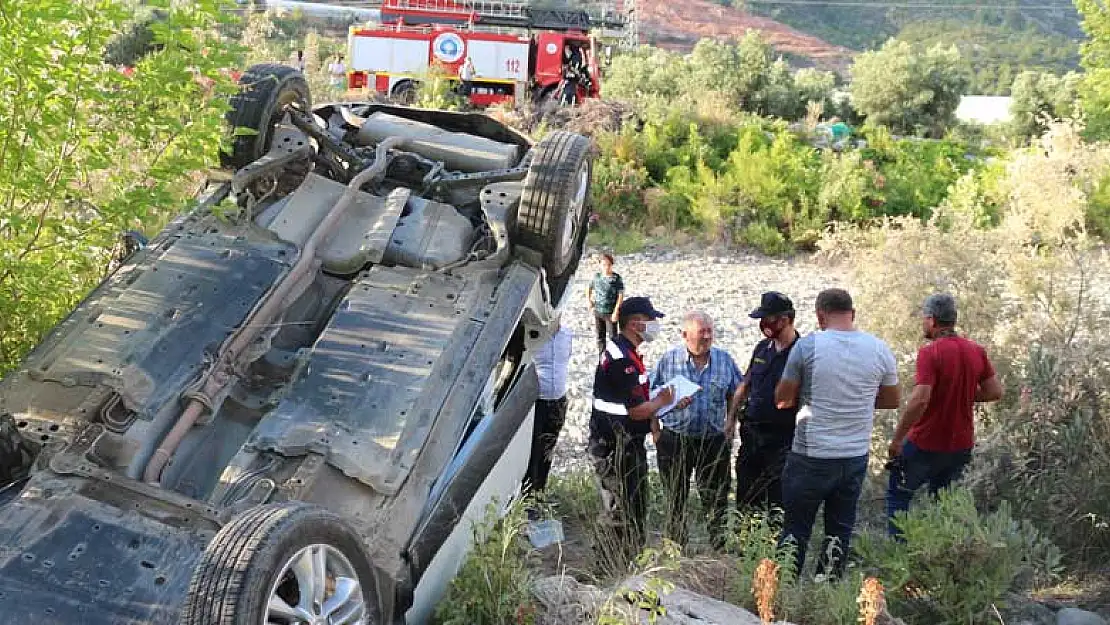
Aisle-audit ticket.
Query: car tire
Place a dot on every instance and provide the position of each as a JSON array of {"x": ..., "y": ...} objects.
[
  {"x": 262, "y": 553},
  {"x": 404, "y": 93},
  {"x": 266, "y": 89},
  {"x": 555, "y": 203}
]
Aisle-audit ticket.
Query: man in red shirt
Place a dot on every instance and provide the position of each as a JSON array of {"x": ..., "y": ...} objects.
[{"x": 936, "y": 433}]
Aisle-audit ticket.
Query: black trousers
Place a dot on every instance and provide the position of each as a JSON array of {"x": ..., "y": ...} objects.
[
  {"x": 621, "y": 469},
  {"x": 707, "y": 458},
  {"x": 604, "y": 328},
  {"x": 759, "y": 465},
  {"x": 550, "y": 415}
]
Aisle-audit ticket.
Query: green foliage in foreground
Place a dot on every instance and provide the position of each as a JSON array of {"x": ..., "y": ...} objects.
[
  {"x": 958, "y": 561},
  {"x": 494, "y": 584},
  {"x": 87, "y": 152}
]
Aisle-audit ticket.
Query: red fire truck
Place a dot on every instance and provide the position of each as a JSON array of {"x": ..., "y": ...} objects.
[{"x": 515, "y": 51}]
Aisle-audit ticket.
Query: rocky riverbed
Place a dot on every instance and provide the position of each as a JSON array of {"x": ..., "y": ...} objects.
[{"x": 725, "y": 285}]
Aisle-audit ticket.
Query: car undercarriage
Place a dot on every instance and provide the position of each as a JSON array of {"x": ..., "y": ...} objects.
[{"x": 291, "y": 403}]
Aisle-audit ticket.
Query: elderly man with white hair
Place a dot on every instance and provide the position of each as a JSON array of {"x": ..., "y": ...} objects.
[{"x": 690, "y": 439}]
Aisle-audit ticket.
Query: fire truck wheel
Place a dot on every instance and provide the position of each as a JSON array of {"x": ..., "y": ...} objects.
[
  {"x": 555, "y": 204},
  {"x": 266, "y": 89},
  {"x": 404, "y": 92}
]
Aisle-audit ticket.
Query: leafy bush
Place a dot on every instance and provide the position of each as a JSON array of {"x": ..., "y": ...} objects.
[
  {"x": 436, "y": 90},
  {"x": 956, "y": 562},
  {"x": 493, "y": 587},
  {"x": 90, "y": 152},
  {"x": 911, "y": 91},
  {"x": 746, "y": 75},
  {"x": 1039, "y": 96},
  {"x": 1026, "y": 291},
  {"x": 754, "y": 181}
]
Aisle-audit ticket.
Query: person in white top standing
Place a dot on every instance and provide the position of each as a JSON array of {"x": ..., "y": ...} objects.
[
  {"x": 466, "y": 76},
  {"x": 338, "y": 72},
  {"x": 552, "y": 364},
  {"x": 837, "y": 378}
]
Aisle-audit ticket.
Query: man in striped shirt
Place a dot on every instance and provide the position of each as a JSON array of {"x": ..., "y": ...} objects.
[{"x": 690, "y": 438}]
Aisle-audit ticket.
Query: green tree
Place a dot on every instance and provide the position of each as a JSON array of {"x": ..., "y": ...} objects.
[
  {"x": 1038, "y": 95},
  {"x": 87, "y": 151},
  {"x": 813, "y": 85},
  {"x": 1095, "y": 55},
  {"x": 909, "y": 90},
  {"x": 738, "y": 71},
  {"x": 646, "y": 72}
]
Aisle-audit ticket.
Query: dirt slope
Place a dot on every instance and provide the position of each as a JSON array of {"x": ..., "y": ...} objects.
[{"x": 678, "y": 25}]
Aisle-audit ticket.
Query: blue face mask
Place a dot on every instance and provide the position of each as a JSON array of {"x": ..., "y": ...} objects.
[{"x": 651, "y": 330}]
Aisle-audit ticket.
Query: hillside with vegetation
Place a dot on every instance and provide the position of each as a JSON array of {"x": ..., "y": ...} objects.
[
  {"x": 999, "y": 42},
  {"x": 868, "y": 23},
  {"x": 728, "y": 148}
]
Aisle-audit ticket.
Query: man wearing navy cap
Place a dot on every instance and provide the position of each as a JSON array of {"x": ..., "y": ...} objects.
[
  {"x": 766, "y": 432},
  {"x": 621, "y": 418}
]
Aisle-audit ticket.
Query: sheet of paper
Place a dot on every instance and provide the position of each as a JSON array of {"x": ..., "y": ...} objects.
[{"x": 683, "y": 388}]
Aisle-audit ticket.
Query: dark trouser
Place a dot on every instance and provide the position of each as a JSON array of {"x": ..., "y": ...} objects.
[
  {"x": 806, "y": 484},
  {"x": 916, "y": 467},
  {"x": 759, "y": 465},
  {"x": 569, "y": 94},
  {"x": 550, "y": 415},
  {"x": 605, "y": 329},
  {"x": 708, "y": 458},
  {"x": 621, "y": 468}
]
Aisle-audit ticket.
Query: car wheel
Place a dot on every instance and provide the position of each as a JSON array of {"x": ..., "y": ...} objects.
[
  {"x": 283, "y": 564},
  {"x": 555, "y": 203},
  {"x": 267, "y": 88},
  {"x": 404, "y": 93}
]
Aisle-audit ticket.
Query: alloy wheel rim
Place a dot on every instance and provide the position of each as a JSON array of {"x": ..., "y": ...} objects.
[
  {"x": 570, "y": 227},
  {"x": 317, "y": 585}
]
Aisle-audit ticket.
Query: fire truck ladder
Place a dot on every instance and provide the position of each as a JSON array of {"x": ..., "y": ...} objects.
[{"x": 486, "y": 13}]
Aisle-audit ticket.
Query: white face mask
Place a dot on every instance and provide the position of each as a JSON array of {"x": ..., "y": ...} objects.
[{"x": 651, "y": 330}]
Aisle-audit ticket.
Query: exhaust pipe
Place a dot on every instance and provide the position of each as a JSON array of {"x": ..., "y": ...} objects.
[{"x": 266, "y": 311}]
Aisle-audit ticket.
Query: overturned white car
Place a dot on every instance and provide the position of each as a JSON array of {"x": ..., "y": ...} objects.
[{"x": 288, "y": 409}]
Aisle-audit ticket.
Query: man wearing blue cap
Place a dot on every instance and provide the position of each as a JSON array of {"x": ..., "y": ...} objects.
[{"x": 621, "y": 419}]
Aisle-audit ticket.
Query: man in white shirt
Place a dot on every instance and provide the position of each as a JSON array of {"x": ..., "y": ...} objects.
[
  {"x": 466, "y": 76},
  {"x": 338, "y": 72},
  {"x": 552, "y": 363},
  {"x": 837, "y": 377}
]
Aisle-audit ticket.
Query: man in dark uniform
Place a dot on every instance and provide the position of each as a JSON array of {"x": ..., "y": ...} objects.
[
  {"x": 621, "y": 418},
  {"x": 766, "y": 432}
]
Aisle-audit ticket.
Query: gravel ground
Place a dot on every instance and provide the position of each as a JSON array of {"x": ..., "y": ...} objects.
[{"x": 725, "y": 285}]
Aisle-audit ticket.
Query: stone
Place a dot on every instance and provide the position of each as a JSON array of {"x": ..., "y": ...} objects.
[
  {"x": 1021, "y": 610},
  {"x": 564, "y": 601},
  {"x": 1075, "y": 616},
  {"x": 567, "y": 602}
]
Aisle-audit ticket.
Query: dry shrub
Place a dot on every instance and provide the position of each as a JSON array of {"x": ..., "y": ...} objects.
[
  {"x": 871, "y": 601},
  {"x": 1034, "y": 292},
  {"x": 765, "y": 584},
  {"x": 590, "y": 117}
]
